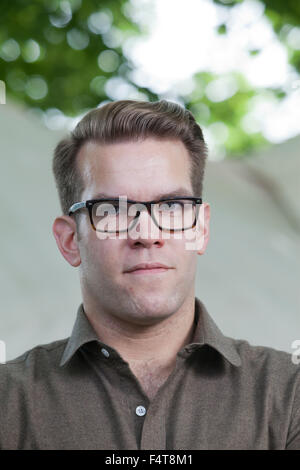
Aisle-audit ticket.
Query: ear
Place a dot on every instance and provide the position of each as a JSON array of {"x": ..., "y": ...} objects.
[
  {"x": 65, "y": 233},
  {"x": 203, "y": 227}
]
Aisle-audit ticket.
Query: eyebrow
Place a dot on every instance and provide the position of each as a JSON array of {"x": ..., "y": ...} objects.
[{"x": 179, "y": 192}]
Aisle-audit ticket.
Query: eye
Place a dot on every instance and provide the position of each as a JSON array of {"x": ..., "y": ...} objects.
[
  {"x": 120, "y": 208},
  {"x": 170, "y": 205},
  {"x": 116, "y": 207}
]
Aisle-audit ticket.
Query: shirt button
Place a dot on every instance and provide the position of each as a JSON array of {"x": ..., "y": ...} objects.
[
  {"x": 105, "y": 352},
  {"x": 140, "y": 410}
]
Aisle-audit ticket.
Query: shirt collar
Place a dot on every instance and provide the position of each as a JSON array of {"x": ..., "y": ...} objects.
[
  {"x": 206, "y": 332},
  {"x": 82, "y": 333}
]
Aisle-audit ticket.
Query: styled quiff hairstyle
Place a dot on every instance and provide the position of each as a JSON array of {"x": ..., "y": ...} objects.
[{"x": 127, "y": 120}]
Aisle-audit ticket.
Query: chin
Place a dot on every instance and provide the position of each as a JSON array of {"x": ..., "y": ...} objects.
[
  {"x": 148, "y": 319},
  {"x": 149, "y": 309}
]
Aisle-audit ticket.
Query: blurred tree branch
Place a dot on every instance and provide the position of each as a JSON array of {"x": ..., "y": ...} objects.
[{"x": 63, "y": 53}]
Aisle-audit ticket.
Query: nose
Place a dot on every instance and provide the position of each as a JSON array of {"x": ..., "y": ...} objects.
[{"x": 144, "y": 231}]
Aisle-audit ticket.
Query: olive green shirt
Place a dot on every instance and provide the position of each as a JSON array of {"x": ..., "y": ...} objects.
[{"x": 78, "y": 393}]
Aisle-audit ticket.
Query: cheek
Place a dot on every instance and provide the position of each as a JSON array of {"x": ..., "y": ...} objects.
[
  {"x": 185, "y": 258},
  {"x": 193, "y": 239},
  {"x": 101, "y": 256}
]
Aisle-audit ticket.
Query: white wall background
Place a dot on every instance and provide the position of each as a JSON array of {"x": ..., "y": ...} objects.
[{"x": 248, "y": 278}]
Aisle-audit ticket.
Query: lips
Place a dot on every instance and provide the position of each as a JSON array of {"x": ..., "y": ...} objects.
[{"x": 151, "y": 267}]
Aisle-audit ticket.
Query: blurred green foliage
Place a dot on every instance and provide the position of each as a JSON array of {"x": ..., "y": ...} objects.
[
  {"x": 51, "y": 51},
  {"x": 61, "y": 54},
  {"x": 283, "y": 14}
]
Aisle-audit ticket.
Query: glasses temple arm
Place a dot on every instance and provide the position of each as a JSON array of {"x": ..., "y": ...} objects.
[{"x": 75, "y": 207}]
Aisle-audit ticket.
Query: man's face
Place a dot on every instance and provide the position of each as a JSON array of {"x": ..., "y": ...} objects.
[{"x": 142, "y": 171}]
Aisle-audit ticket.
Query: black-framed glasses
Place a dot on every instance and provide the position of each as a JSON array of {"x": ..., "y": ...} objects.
[{"x": 117, "y": 215}]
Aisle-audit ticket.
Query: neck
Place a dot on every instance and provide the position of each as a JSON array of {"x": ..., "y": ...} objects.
[{"x": 137, "y": 344}]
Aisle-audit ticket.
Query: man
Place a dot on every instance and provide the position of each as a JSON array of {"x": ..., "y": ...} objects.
[{"x": 145, "y": 367}]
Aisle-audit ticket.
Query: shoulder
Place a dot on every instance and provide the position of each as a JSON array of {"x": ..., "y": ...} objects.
[
  {"x": 267, "y": 364},
  {"x": 273, "y": 376},
  {"x": 33, "y": 363},
  {"x": 251, "y": 353}
]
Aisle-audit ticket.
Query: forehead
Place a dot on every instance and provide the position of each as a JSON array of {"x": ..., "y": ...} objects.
[{"x": 138, "y": 169}]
